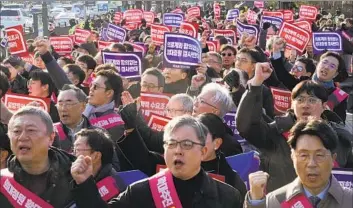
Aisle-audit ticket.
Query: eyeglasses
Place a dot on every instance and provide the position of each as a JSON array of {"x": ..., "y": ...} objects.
[
  {"x": 227, "y": 54},
  {"x": 173, "y": 111},
  {"x": 319, "y": 157},
  {"x": 330, "y": 66},
  {"x": 184, "y": 144},
  {"x": 95, "y": 86},
  {"x": 66, "y": 104},
  {"x": 80, "y": 150},
  {"x": 202, "y": 101},
  {"x": 242, "y": 60},
  {"x": 211, "y": 61},
  {"x": 311, "y": 100},
  {"x": 149, "y": 86},
  {"x": 298, "y": 68}
]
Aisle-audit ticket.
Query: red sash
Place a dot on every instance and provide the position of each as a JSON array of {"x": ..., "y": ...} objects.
[
  {"x": 59, "y": 129},
  {"x": 17, "y": 195},
  {"x": 347, "y": 36},
  {"x": 107, "y": 188},
  {"x": 336, "y": 98},
  {"x": 286, "y": 134},
  {"x": 163, "y": 190},
  {"x": 107, "y": 121},
  {"x": 299, "y": 201}
]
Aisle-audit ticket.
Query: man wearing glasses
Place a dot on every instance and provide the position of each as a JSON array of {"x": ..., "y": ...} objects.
[
  {"x": 183, "y": 184},
  {"x": 313, "y": 151}
]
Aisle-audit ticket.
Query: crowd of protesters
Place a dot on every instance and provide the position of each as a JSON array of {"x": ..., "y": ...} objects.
[{"x": 95, "y": 126}]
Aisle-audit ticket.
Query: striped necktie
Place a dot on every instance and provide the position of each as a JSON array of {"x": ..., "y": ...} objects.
[{"x": 314, "y": 201}]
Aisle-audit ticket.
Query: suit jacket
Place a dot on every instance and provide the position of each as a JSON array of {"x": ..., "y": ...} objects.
[{"x": 335, "y": 197}]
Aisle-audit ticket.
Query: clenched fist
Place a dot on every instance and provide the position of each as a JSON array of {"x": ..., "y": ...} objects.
[
  {"x": 42, "y": 46},
  {"x": 262, "y": 72},
  {"x": 258, "y": 181},
  {"x": 82, "y": 169}
]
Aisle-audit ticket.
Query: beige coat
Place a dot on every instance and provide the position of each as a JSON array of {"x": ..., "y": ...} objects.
[{"x": 337, "y": 197}]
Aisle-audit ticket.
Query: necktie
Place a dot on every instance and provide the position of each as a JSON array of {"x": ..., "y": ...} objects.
[{"x": 314, "y": 201}]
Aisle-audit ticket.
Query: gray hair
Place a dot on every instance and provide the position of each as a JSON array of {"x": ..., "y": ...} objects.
[
  {"x": 200, "y": 129},
  {"x": 80, "y": 95},
  {"x": 221, "y": 96},
  {"x": 34, "y": 111},
  {"x": 217, "y": 55},
  {"x": 186, "y": 100}
]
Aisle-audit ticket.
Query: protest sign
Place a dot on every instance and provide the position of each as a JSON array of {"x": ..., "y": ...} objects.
[
  {"x": 131, "y": 176},
  {"x": 212, "y": 45},
  {"x": 4, "y": 42},
  {"x": 62, "y": 44},
  {"x": 16, "y": 101},
  {"x": 281, "y": 100},
  {"x": 251, "y": 17},
  {"x": 81, "y": 35},
  {"x": 244, "y": 28},
  {"x": 244, "y": 164},
  {"x": 288, "y": 15},
  {"x": 149, "y": 17},
  {"x": 116, "y": 33},
  {"x": 294, "y": 36},
  {"x": 307, "y": 12},
  {"x": 157, "y": 33},
  {"x": 178, "y": 10},
  {"x": 173, "y": 19},
  {"x": 153, "y": 103},
  {"x": 16, "y": 40},
  {"x": 232, "y": 14},
  {"x": 259, "y": 4},
  {"x": 229, "y": 119},
  {"x": 118, "y": 16},
  {"x": 181, "y": 51},
  {"x": 27, "y": 57},
  {"x": 189, "y": 28},
  {"x": 133, "y": 15},
  {"x": 217, "y": 10},
  {"x": 330, "y": 41},
  {"x": 193, "y": 12},
  {"x": 344, "y": 177},
  {"x": 226, "y": 33},
  {"x": 304, "y": 25},
  {"x": 131, "y": 26},
  {"x": 276, "y": 21},
  {"x": 273, "y": 14},
  {"x": 139, "y": 47},
  {"x": 103, "y": 34},
  {"x": 158, "y": 122},
  {"x": 129, "y": 65},
  {"x": 103, "y": 44}
]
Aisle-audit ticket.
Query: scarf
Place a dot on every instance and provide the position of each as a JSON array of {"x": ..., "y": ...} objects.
[
  {"x": 326, "y": 84},
  {"x": 91, "y": 110}
]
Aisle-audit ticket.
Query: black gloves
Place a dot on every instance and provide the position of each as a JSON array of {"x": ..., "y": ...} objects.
[
  {"x": 128, "y": 114},
  {"x": 233, "y": 80}
]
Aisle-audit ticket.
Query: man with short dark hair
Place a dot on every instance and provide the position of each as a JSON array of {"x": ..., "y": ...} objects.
[
  {"x": 12, "y": 67},
  {"x": 87, "y": 64},
  {"x": 76, "y": 75},
  {"x": 152, "y": 81}
]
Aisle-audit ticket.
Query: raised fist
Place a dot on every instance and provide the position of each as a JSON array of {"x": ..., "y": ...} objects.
[
  {"x": 258, "y": 181},
  {"x": 82, "y": 169},
  {"x": 42, "y": 46},
  {"x": 262, "y": 72}
]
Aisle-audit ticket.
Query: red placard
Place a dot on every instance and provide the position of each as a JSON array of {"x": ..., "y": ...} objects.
[
  {"x": 153, "y": 103},
  {"x": 304, "y": 25},
  {"x": 226, "y": 33},
  {"x": 212, "y": 45},
  {"x": 131, "y": 26},
  {"x": 139, "y": 48},
  {"x": 193, "y": 12},
  {"x": 16, "y": 40},
  {"x": 103, "y": 44},
  {"x": 281, "y": 99},
  {"x": 178, "y": 10},
  {"x": 299, "y": 201},
  {"x": 295, "y": 37},
  {"x": 62, "y": 44},
  {"x": 157, "y": 33},
  {"x": 158, "y": 122},
  {"x": 217, "y": 10},
  {"x": 251, "y": 17},
  {"x": 133, "y": 15},
  {"x": 189, "y": 28},
  {"x": 273, "y": 14},
  {"x": 81, "y": 35},
  {"x": 118, "y": 16},
  {"x": 15, "y": 101},
  {"x": 259, "y": 4},
  {"x": 307, "y": 12},
  {"x": 288, "y": 15},
  {"x": 27, "y": 57},
  {"x": 149, "y": 17}
]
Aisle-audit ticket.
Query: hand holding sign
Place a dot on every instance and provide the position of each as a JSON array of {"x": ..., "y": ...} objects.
[
  {"x": 262, "y": 72},
  {"x": 42, "y": 46},
  {"x": 82, "y": 169},
  {"x": 197, "y": 81},
  {"x": 201, "y": 68},
  {"x": 258, "y": 181},
  {"x": 126, "y": 98}
]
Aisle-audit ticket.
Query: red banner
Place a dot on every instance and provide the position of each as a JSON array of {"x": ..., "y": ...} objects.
[
  {"x": 304, "y": 25},
  {"x": 307, "y": 12},
  {"x": 139, "y": 48},
  {"x": 212, "y": 45},
  {"x": 16, "y": 40},
  {"x": 118, "y": 16},
  {"x": 217, "y": 10},
  {"x": 27, "y": 57},
  {"x": 62, "y": 44},
  {"x": 193, "y": 12},
  {"x": 158, "y": 122},
  {"x": 81, "y": 35},
  {"x": 103, "y": 44},
  {"x": 153, "y": 103},
  {"x": 226, "y": 33},
  {"x": 133, "y": 15},
  {"x": 16, "y": 101},
  {"x": 131, "y": 26},
  {"x": 281, "y": 100},
  {"x": 259, "y": 4},
  {"x": 177, "y": 11},
  {"x": 149, "y": 17},
  {"x": 157, "y": 33},
  {"x": 251, "y": 17},
  {"x": 295, "y": 37},
  {"x": 288, "y": 16},
  {"x": 189, "y": 28},
  {"x": 272, "y": 14}
]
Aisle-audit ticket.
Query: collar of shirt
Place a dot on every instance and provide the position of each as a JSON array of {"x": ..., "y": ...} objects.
[
  {"x": 73, "y": 131},
  {"x": 321, "y": 195}
]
